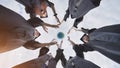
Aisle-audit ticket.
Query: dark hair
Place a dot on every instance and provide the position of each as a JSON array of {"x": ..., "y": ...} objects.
[
  {"x": 82, "y": 38},
  {"x": 35, "y": 22},
  {"x": 31, "y": 44},
  {"x": 43, "y": 51}
]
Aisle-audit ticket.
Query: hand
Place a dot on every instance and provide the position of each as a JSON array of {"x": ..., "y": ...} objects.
[
  {"x": 62, "y": 21},
  {"x": 69, "y": 30},
  {"x": 56, "y": 26},
  {"x": 45, "y": 29},
  {"x": 78, "y": 29},
  {"x": 58, "y": 20},
  {"x": 53, "y": 42},
  {"x": 68, "y": 38}
]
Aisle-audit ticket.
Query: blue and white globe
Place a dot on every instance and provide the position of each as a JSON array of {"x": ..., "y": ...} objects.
[{"x": 60, "y": 35}]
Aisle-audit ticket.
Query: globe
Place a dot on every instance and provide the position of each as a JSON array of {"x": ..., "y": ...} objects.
[{"x": 60, "y": 35}]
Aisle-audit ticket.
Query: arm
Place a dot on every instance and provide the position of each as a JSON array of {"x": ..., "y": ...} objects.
[
  {"x": 51, "y": 5},
  {"x": 63, "y": 60},
  {"x": 45, "y": 44},
  {"x": 44, "y": 26},
  {"x": 66, "y": 15},
  {"x": 87, "y": 48},
  {"x": 84, "y": 30},
  {"x": 87, "y": 31},
  {"x": 34, "y": 44},
  {"x": 60, "y": 56},
  {"x": 50, "y": 25},
  {"x": 59, "y": 46},
  {"x": 73, "y": 43},
  {"x": 77, "y": 21}
]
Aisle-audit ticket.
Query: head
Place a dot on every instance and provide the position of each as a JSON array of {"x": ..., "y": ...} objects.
[
  {"x": 85, "y": 38},
  {"x": 43, "y": 11},
  {"x": 43, "y": 51},
  {"x": 36, "y": 34}
]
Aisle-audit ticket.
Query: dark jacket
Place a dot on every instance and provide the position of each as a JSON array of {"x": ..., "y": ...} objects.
[
  {"x": 106, "y": 40},
  {"x": 78, "y": 8},
  {"x": 77, "y": 62}
]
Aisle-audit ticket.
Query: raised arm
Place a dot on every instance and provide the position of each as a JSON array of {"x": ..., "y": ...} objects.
[
  {"x": 50, "y": 25},
  {"x": 47, "y": 44},
  {"x": 73, "y": 43},
  {"x": 66, "y": 15},
  {"x": 87, "y": 31},
  {"x": 77, "y": 21},
  {"x": 51, "y": 5},
  {"x": 34, "y": 44}
]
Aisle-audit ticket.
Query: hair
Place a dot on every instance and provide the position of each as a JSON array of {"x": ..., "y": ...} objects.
[
  {"x": 82, "y": 38},
  {"x": 43, "y": 51},
  {"x": 35, "y": 22},
  {"x": 31, "y": 44}
]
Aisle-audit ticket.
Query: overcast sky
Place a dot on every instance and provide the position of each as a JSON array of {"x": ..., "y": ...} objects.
[{"x": 106, "y": 14}]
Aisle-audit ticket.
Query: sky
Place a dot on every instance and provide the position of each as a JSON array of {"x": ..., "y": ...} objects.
[{"x": 107, "y": 13}]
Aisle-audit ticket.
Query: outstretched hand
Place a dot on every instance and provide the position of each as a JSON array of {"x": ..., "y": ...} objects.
[
  {"x": 57, "y": 19},
  {"x": 73, "y": 43},
  {"x": 68, "y": 38},
  {"x": 59, "y": 45},
  {"x": 53, "y": 42},
  {"x": 45, "y": 29},
  {"x": 56, "y": 26},
  {"x": 73, "y": 28},
  {"x": 70, "y": 30}
]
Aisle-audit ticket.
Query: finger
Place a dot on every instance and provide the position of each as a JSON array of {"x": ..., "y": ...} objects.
[
  {"x": 46, "y": 31},
  {"x": 68, "y": 32},
  {"x": 62, "y": 21},
  {"x": 68, "y": 37},
  {"x": 53, "y": 39}
]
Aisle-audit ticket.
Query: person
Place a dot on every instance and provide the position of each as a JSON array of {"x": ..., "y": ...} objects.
[
  {"x": 47, "y": 60},
  {"x": 75, "y": 62},
  {"x": 50, "y": 62},
  {"x": 78, "y": 8},
  {"x": 16, "y": 31},
  {"x": 40, "y": 62},
  {"x": 35, "y": 22},
  {"x": 60, "y": 54},
  {"x": 79, "y": 61},
  {"x": 104, "y": 40},
  {"x": 38, "y": 7}
]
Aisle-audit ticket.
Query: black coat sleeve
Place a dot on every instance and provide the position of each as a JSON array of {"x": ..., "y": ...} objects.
[
  {"x": 87, "y": 48},
  {"x": 88, "y": 31},
  {"x": 77, "y": 21},
  {"x": 66, "y": 15}
]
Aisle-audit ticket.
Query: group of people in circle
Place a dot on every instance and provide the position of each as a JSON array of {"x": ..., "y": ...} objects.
[{"x": 104, "y": 40}]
